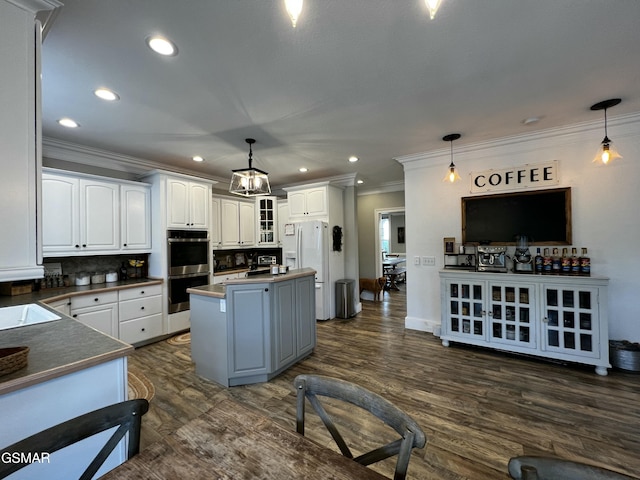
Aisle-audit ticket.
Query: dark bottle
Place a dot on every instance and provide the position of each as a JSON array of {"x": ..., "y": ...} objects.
[
  {"x": 556, "y": 262},
  {"x": 575, "y": 262},
  {"x": 565, "y": 262},
  {"x": 538, "y": 261},
  {"x": 123, "y": 272},
  {"x": 585, "y": 263}
]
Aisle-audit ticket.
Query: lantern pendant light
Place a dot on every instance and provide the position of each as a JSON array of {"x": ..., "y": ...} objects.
[
  {"x": 433, "y": 6},
  {"x": 250, "y": 182},
  {"x": 294, "y": 8},
  {"x": 606, "y": 151},
  {"x": 452, "y": 174}
]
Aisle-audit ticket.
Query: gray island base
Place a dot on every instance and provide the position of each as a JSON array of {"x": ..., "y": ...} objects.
[{"x": 251, "y": 329}]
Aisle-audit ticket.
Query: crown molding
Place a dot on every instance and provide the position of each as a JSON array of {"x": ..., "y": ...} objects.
[
  {"x": 74, "y": 153},
  {"x": 389, "y": 187},
  {"x": 34, "y": 6},
  {"x": 524, "y": 142}
]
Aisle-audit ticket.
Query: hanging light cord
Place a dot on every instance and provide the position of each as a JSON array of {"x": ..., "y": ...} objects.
[{"x": 250, "y": 155}]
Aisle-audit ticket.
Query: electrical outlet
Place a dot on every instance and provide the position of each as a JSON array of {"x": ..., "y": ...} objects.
[
  {"x": 429, "y": 261},
  {"x": 416, "y": 260}
]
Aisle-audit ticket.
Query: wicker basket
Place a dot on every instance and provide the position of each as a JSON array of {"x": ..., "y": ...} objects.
[
  {"x": 13, "y": 359},
  {"x": 624, "y": 355}
]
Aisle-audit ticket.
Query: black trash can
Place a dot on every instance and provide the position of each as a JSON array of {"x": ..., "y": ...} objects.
[{"x": 345, "y": 307}]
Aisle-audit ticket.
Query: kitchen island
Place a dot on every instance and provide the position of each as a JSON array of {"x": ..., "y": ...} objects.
[
  {"x": 72, "y": 369},
  {"x": 251, "y": 329}
]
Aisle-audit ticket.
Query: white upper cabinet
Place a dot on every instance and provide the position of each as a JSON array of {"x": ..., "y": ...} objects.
[
  {"x": 237, "y": 223},
  {"x": 216, "y": 227},
  {"x": 79, "y": 215},
  {"x": 135, "y": 220},
  {"x": 20, "y": 139},
  {"x": 86, "y": 215},
  {"x": 307, "y": 202},
  {"x": 187, "y": 204}
]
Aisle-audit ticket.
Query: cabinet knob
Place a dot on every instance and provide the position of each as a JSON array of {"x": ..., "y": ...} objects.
[
  {"x": 141, "y": 308},
  {"x": 84, "y": 245},
  {"x": 75, "y": 315},
  {"x": 125, "y": 244},
  {"x": 266, "y": 289},
  {"x": 142, "y": 292},
  {"x": 545, "y": 320},
  {"x": 77, "y": 246},
  {"x": 142, "y": 329},
  {"x": 96, "y": 299}
]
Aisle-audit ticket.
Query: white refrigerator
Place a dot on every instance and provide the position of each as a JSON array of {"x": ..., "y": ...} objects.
[{"x": 306, "y": 244}]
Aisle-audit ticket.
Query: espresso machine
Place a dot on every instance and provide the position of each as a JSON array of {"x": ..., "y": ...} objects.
[{"x": 522, "y": 259}]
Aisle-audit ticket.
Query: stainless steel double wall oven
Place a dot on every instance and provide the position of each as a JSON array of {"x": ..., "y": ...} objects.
[{"x": 188, "y": 262}]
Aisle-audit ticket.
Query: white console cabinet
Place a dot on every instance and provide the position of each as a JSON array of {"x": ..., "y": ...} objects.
[{"x": 559, "y": 317}]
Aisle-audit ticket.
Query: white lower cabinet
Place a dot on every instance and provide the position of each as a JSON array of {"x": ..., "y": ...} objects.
[
  {"x": 98, "y": 310},
  {"x": 140, "y": 313},
  {"x": 550, "y": 316}
]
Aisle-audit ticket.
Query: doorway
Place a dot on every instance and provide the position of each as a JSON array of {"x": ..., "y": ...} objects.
[{"x": 390, "y": 234}]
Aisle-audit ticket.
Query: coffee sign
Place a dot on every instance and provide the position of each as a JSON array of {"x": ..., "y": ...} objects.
[{"x": 513, "y": 178}]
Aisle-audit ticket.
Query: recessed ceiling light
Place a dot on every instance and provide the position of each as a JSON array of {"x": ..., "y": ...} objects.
[
  {"x": 198, "y": 158},
  {"x": 67, "y": 122},
  {"x": 360, "y": 182},
  {"x": 106, "y": 94},
  {"x": 353, "y": 159},
  {"x": 303, "y": 169},
  {"x": 162, "y": 46}
]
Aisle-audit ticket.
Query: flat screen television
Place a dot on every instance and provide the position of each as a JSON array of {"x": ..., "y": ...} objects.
[{"x": 542, "y": 215}]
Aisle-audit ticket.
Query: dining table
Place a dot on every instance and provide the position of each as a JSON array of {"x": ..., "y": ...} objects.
[
  {"x": 234, "y": 441},
  {"x": 389, "y": 267}
]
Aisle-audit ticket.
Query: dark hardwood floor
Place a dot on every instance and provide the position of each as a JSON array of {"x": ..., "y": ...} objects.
[{"x": 477, "y": 407}]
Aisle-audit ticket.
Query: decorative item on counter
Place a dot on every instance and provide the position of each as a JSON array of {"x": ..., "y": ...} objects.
[
  {"x": 97, "y": 277},
  {"x": 522, "y": 257},
  {"x": 111, "y": 277},
  {"x": 547, "y": 262},
  {"x": 123, "y": 272},
  {"x": 585, "y": 263},
  {"x": 275, "y": 269},
  {"x": 82, "y": 278},
  {"x": 575, "y": 262},
  {"x": 13, "y": 359},
  {"x": 538, "y": 261},
  {"x": 556, "y": 262},
  {"x": 565, "y": 267},
  {"x": 138, "y": 265}
]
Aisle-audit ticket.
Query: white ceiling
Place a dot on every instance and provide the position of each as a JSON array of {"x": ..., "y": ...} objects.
[{"x": 372, "y": 78}]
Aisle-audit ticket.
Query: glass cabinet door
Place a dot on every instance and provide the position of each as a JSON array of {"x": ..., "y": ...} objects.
[
  {"x": 266, "y": 220},
  {"x": 466, "y": 315},
  {"x": 511, "y": 314},
  {"x": 570, "y": 320}
]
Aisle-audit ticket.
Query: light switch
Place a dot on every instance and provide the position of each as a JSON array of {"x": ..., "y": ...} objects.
[
  {"x": 429, "y": 261},
  {"x": 416, "y": 260}
]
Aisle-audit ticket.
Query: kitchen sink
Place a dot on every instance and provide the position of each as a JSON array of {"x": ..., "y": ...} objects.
[{"x": 23, "y": 315}]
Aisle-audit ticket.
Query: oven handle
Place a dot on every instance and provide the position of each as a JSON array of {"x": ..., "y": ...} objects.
[
  {"x": 189, "y": 275},
  {"x": 187, "y": 240}
]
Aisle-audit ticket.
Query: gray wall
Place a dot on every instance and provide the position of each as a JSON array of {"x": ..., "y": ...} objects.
[
  {"x": 396, "y": 220},
  {"x": 367, "y": 228}
]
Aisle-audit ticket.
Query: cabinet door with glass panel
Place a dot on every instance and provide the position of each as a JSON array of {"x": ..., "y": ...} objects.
[
  {"x": 571, "y": 320},
  {"x": 465, "y": 317},
  {"x": 511, "y": 310},
  {"x": 267, "y": 219}
]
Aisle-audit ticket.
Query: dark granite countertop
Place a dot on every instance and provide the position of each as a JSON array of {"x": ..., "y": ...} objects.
[
  {"x": 57, "y": 348},
  {"x": 61, "y": 346}
]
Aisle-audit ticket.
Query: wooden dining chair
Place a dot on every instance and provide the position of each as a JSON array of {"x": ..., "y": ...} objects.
[
  {"x": 550, "y": 468},
  {"x": 127, "y": 416},
  {"x": 411, "y": 435}
]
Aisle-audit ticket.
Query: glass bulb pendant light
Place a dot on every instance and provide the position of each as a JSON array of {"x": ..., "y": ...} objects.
[
  {"x": 250, "y": 182},
  {"x": 452, "y": 174},
  {"x": 606, "y": 151},
  {"x": 294, "y": 8},
  {"x": 433, "y": 6}
]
